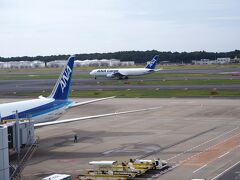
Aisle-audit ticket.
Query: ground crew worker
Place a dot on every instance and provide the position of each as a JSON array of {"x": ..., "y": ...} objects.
[{"x": 75, "y": 138}]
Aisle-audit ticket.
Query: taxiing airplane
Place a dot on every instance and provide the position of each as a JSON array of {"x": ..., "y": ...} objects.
[
  {"x": 124, "y": 73},
  {"x": 45, "y": 109}
]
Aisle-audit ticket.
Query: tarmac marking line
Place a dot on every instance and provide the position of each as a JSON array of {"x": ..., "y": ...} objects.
[
  {"x": 219, "y": 157},
  {"x": 225, "y": 170},
  {"x": 200, "y": 168},
  {"x": 209, "y": 153},
  {"x": 203, "y": 143},
  {"x": 224, "y": 154}
]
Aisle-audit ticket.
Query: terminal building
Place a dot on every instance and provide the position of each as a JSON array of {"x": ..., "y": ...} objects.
[
  {"x": 219, "y": 61},
  {"x": 94, "y": 62},
  {"x": 61, "y": 63},
  {"x": 21, "y": 64}
]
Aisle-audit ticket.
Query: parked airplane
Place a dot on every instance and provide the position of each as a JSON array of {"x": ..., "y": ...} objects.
[
  {"x": 46, "y": 108},
  {"x": 123, "y": 73}
]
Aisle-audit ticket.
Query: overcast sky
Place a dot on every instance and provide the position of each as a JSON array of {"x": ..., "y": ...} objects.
[{"x": 50, "y": 27}]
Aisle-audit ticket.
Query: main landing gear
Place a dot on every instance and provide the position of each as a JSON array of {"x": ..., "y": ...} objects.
[{"x": 123, "y": 77}]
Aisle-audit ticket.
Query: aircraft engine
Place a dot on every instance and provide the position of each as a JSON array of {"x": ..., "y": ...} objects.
[{"x": 110, "y": 75}]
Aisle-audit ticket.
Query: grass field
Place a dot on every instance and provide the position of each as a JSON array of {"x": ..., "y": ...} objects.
[
  {"x": 145, "y": 93},
  {"x": 165, "y": 75},
  {"x": 173, "y": 82},
  {"x": 180, "y": 66},
  {"x": 191, "y": 66}
]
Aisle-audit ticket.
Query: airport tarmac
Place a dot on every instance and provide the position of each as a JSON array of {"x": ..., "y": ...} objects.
[
  {"x": 200, "y": 138},
  {"x": 40, "y": 85},
  {"x": 12, "y": 87}
]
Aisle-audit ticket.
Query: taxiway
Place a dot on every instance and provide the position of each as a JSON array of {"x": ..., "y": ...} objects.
[{"x": 200, "y": 138}]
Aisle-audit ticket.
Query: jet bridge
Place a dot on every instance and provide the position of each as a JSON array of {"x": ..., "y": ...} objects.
[
  {"x": 17, "y": 145},
  {"x": 4, "y": 163}
]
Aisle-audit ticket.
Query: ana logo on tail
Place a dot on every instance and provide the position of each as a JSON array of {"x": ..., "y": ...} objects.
[
  {"x": 152, "y": 62},
  {"x": 65, "y": 78}
]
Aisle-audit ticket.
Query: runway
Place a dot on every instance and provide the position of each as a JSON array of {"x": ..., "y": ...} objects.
[
  {"x": 41, "y": 85},
  {"x": 199, "y": 137},
  {"x": 14, "y": 86},
  {"x": 206, "y": 70}
]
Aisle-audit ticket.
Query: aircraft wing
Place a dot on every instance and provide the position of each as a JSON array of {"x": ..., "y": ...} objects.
[
  {"x": 92, "y": 117},
  {"x": 75, "y": 104}
]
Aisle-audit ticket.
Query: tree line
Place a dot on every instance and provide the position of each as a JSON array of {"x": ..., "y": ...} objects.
[{"x": 137, "y": 56}]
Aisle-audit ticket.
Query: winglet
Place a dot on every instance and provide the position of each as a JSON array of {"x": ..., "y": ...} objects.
[{"x": 61, "y": 89}]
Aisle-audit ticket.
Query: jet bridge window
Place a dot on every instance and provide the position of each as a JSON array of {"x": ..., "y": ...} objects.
[{"x": 10, "y": 137}]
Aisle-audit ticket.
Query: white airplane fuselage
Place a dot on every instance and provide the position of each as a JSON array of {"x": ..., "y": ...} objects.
[
  {"x": 39, "y": 110},
  {"x": 124, "y": 71},
  {"x": 43, "y": 109}
]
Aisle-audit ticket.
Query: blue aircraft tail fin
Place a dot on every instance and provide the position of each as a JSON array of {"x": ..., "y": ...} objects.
[
  {"x": 153, "y": 62},
  {"x": 62, "y": 87}
]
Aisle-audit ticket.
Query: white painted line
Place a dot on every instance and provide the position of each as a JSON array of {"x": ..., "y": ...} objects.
[
  {"x": 200, "y": 168},
  {"x": 223, "y": 155},
  {"x": 203, "y": 143},
  {"x": 212, "y": 147},
  {"x": 225, "y": 171}
]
